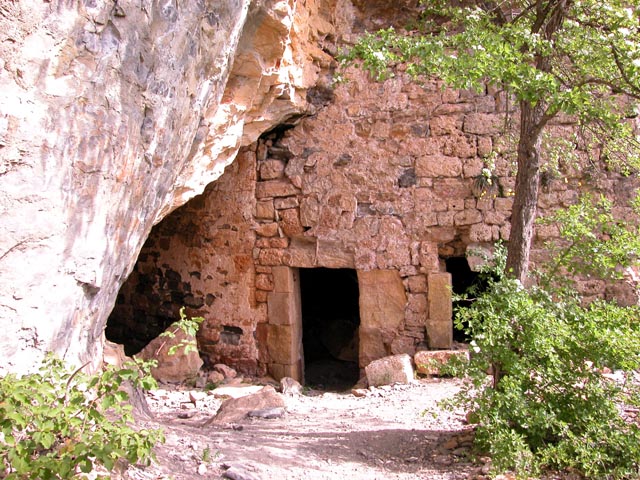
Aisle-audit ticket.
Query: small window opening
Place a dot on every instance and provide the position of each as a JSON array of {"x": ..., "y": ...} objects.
[
  {"x": 330, "y": 322},
  {"x": 231, "y": 335}
]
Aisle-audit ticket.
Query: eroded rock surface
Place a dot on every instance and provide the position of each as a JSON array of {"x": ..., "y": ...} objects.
[{"x": 112, "y": 115}]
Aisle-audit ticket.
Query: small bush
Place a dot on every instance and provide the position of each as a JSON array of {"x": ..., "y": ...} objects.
[
  {"x": 190, "y": 327},
  {"x": 548, "y": 403},
  {"x": 59, "y": 424}
]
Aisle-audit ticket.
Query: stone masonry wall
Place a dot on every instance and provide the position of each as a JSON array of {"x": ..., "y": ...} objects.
[
  {"x": 200, "y": 257},
  {"x": 384, "y": 180}
]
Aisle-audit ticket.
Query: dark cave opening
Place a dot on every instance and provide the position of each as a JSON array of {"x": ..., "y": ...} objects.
[
  {"x": 330, "y": 322},
  {"x": 462, "y": 278},
  {"x": 150, "y": 299}
]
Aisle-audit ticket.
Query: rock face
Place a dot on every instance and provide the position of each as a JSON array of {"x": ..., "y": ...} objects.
[{"x": 112, "y": 114}]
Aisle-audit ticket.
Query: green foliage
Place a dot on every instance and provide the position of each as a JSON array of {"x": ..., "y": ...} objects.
[
  {"x": 60, "y": 424},
  {"x": 190, "y": 327},
  {"x": 590, "y": 231},
  {"x": 547, "y": 404},
  {"x": 578, "y": 58}
]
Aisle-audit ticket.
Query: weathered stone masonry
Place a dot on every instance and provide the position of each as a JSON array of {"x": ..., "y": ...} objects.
[{"x": 382, "y": 180}]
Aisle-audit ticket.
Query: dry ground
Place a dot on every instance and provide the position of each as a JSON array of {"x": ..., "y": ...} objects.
[{"x": 323, "y": 435}]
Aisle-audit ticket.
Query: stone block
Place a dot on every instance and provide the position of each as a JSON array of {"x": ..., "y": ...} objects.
[
  {"x": 480, "y": 233},
  {"x": 485, "y": 146},
  {"x": 417, "y": 284},
  {"x": 295, "y": 371},
  {"x": 441, "y": 234},
  {"x": 428, "y": 362},
  {"x": 470, "y": 203},
  {"x": 309, "y": 211},
  {"x": 371, "y": 345},
  {"x": 271, "y": 169},
  {"x": 301, "y": 253},
  {"x": 415, "y": 319},
  {"x": 479, "y": 255},
  {"x": 276, "y": 370},
  {"x": 283, "y": 308},
  {"x": 270, "y": 256},
  {"x": 485, "y": 204},
  {"x": 290, "y": 222},
  {"x": 505, "y": 232},
  {"x": 417, "y": 302},
  {"x": 390, "y": 370},
  {"x": 382, "y": 299},
  {"x": 275, "y": 188},
  {"x": 429, "y": 256},
  {"x": 285, "y": 279},
  {"x": 495, "y": 217},
  {"x": 460, "y": 146},
  {"x": 472, "y": 167},
  {"x": 261, "y": 296},
  {"x": 278, "y": 242},
  {"x": 332, "y": 254},
  {"x": 456, "y": 204},
  {"x": 482, "y": 123},
  {"x": 438, "y": 166},
  {"x": 445, "y": 125},
  {"x": 283, "y": 343},
  {"x": 286, "y": 202},
  {"x": 267, "y": 229},
  {"x": 403, "y": 344},
  {"x": 503, "y": 204},
  {"x": 264, "y": 281},
  {"x": 439, "y": 322},
  {"x": 467, "y": 217},
  {"x": 265, "y": 210},
  {"x": 446, "y": 219}
]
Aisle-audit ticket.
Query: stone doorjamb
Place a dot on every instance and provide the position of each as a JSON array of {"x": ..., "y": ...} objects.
[{"x": 284, "y": 328}]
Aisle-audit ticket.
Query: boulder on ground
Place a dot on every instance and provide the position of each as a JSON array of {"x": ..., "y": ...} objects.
[
  {"x": 289, "y": 386},
  {"x": 389, "y": 370},
  {"x": 428, "y": 362},
  {"x": 235, "y": 409},
  {"x": 215, "y": 377},
  {"x": 235, "y": 391},
  {"x": 173, "y": 367},
  {"x": 226, "y": 371}
]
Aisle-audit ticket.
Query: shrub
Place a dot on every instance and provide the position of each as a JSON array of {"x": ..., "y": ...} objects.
[
  {"x": 190, "y": 327},
  {"x": 58, "y": 423},
  {"x": 549, "y": 402}
]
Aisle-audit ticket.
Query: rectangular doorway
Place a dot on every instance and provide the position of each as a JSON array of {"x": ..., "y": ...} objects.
[{"x": 330, "y": 327}]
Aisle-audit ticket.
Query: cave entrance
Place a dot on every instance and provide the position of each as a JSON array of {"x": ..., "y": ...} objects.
[
  {"x": 330, "y": 323},
  {"x": 462, "y": 278}
]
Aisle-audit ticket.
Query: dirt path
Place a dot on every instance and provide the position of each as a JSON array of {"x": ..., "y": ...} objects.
[{"x": 383, "y": 435}]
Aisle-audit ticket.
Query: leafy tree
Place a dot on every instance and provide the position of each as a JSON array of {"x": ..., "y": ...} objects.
[
  {"x": 552, "y": 401},
  {"x": 575, "y": 57}
]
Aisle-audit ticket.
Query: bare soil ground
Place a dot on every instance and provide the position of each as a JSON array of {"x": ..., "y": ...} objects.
[{"x": 323, "y": 435}]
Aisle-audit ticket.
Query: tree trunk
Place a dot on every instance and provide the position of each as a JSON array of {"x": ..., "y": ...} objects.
[
  {"x": 533, "y": 118},
  {"x": 526, "y": 190}
]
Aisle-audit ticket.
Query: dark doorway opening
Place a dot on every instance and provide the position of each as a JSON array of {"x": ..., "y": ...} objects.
[
  {"x": 330, "y": 321},
  {"x": 462, "y": 278}
]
